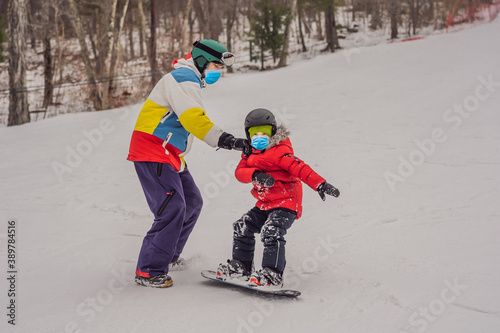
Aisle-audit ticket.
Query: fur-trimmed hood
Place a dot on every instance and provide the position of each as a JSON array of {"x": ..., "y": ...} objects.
[{"x": 281, "y": 134}]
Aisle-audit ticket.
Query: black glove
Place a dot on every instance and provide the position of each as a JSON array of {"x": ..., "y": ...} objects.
[
  {"x": 262, "y": 179},
  {"x": 243, "y": 145},
  {"x": 328, "y": 189},
  {"x": 228, "y": 141}
]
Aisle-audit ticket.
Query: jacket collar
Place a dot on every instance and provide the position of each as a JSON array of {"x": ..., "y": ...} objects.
[
  {"x": 281, "y": 134},
  {"x": 188, "y": 63}
]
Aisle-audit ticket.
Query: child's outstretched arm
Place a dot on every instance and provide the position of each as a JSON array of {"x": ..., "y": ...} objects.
[
  {"x": 300, "y": 169},
  {"x": 327, "y": 188}
]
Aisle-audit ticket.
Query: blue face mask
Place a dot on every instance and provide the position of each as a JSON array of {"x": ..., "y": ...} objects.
[
  {"x": 212, "y": 76},
  {"x": 260, "y": 142}
]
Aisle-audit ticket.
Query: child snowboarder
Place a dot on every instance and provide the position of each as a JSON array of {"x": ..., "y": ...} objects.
[{"x": 277, "y": 177}]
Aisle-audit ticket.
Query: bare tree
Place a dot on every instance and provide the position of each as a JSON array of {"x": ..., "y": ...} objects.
[
  {"x": 59, "y": 33},
  {"x": 107, "y": 30},
  {"x": 18, "y": 97},
  {"x": 376, "y": 16},
  {"x": 114, "y": 50},
  {"x": 152, "y": 49},
  {"x": 394, "y": 9},
  {"x": 215, "y": 27},
  {"x": 95, "y": 95},
  {"x": 142, "y": 29},
  {"x": 130, "y": 27},
  {"x": 105, "y": 46},
  {"x": 185, "y": 43},
  {"x": 209, "y": 19},
  {"x": 330, "y": 27},
  {"x": 201, "y": 16},
  {"x": 47, "y": 56},
  {"x": 286, "y": 45},
  {"x": 231, "y": 14},
  {"x": 300, "y": 16},
  {"x": 415, "y": 8}
]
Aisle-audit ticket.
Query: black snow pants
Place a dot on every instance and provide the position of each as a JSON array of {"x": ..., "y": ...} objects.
[{"x": 272, "y": 225}]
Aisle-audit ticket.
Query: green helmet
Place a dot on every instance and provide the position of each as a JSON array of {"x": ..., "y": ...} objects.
[{"x": 207, "y": 51}]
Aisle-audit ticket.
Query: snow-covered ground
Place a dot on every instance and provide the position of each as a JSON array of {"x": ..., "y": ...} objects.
[{"x": 408, "y": 132}]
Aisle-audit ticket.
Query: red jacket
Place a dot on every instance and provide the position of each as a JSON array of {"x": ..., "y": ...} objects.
[{"x": 287, "y": 170}]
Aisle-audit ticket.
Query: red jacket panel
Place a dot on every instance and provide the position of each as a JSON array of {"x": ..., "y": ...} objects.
[{"x": 288, "y": 172}]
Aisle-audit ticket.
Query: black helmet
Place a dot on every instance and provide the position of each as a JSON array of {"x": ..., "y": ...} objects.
[{"x": 260, "y": 117}]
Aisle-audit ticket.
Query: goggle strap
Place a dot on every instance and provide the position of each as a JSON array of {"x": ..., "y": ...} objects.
[{"x": 207, "y": 49}]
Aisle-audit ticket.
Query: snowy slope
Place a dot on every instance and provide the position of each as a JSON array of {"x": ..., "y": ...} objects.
[{"x": 408, "y": 132}]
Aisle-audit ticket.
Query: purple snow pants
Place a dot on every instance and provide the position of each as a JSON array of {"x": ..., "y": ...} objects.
[{"x": 176, "y": 203}]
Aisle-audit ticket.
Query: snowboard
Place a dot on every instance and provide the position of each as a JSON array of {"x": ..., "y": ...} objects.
[{"x": 212, "y": 275}]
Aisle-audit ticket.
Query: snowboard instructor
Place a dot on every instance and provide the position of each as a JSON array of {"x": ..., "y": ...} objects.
[{"x": 163, "y": 134}]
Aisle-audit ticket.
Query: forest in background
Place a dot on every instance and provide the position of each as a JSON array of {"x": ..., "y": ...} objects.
[{"x": 60, "y": 56}]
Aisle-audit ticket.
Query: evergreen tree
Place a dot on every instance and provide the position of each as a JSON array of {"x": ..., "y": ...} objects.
[{"x": 268, "y": 27}]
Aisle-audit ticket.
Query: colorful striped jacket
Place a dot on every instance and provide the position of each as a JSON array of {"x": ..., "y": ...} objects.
[{"x": 169, "y": 118}]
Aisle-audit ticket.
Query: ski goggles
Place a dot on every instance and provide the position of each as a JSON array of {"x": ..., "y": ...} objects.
[{"x": 226, "y": 58}]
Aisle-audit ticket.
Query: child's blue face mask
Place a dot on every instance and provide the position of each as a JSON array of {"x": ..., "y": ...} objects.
[
  {"x": 211, "y": 76},
  {"x": 260, "y": 142}
]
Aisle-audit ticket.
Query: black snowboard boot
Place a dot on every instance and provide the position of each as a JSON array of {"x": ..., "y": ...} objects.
[
  {"x": 267, "y": 277},
  {"x": 159, "y": 281},
  {"x": 233, "y": 269}
]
